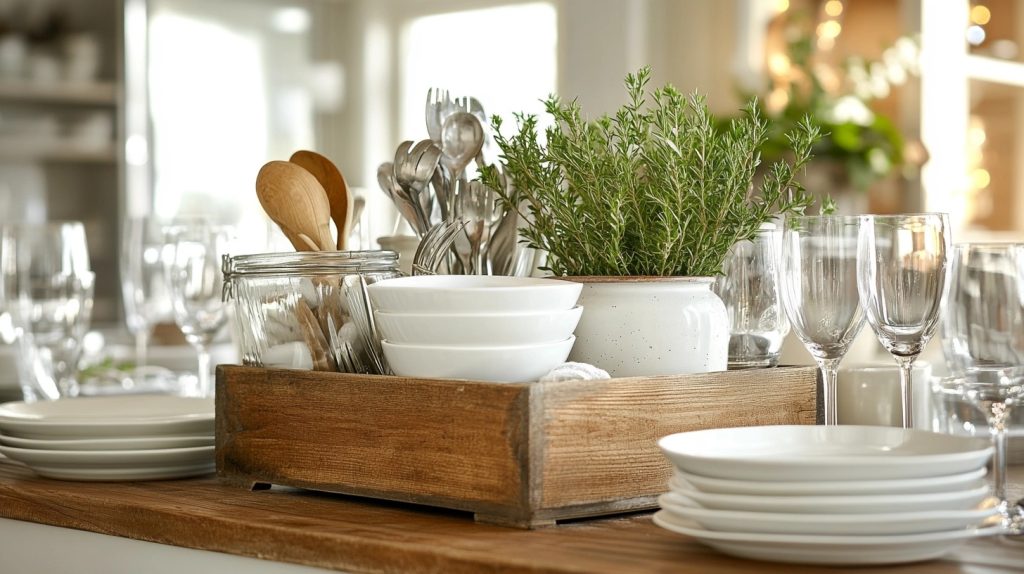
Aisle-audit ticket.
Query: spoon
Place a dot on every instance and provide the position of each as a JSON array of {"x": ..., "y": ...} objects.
[
  {"x": 334, "y": 184},
  {"x": 462, "y": 138},
  {"x": 296, "y": 201}
]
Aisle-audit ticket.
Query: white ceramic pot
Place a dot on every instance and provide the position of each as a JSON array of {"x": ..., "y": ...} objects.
[{"x": 642, "y": 326}]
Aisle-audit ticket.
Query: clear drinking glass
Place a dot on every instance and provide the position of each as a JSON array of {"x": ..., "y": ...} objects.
[
  {"x": 749, "y": 287},
  {"x": 145, "y": 290},
  {"x": 983, "y": 340},
  {"x": 48, "y": 294},
  {"x": 901, "y": 277},
  {"x": 196, "y": 281},
  {"x": 818, "y": 278}
]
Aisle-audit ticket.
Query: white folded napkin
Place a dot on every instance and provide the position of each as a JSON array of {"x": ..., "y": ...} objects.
[{"x": 575, "y": 372}]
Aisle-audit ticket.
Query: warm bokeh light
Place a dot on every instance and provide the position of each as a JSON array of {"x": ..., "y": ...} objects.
[
  {"x": 781, "y": 6},
  {"x": 981, "y": 15},
  {"x": 777, "y": 100},
  {"x": 980, "y": 178},
  {"x": 779, "y": 64},
  {"x": 826, "y": 44},
  {"x": 834, "y": 8},
  {"x": 829, "y": 29}
]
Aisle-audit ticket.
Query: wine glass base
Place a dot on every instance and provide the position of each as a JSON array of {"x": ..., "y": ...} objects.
[{"x": 1013, "y": 517}]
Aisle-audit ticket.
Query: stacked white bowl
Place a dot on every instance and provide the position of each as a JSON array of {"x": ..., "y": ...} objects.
[
  {"x": 839, "y": 495},
  {"x": 501, "y": 329},
  {"x": 129, "y": 437}
]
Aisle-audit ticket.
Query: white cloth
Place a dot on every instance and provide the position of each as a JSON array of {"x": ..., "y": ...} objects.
[{"x": 575, "y": 372}]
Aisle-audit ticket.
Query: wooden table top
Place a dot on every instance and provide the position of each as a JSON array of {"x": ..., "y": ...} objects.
[{"x": 360, "y": 535}]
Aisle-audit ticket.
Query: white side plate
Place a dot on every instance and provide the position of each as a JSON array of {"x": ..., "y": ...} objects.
[
  {"x": 814, "y": 453},
  {"x": 826, "y": 550},
  {"x": 122, "y": 474},
  {"x": 944, "y": 483},
  {"x": 108, "y": 417},
  {"x": 867, "y": 504},
  {"x": 856, "y": 524},
  {"x": 110, "y": 458},
  {"x": 127, "y": 443}
]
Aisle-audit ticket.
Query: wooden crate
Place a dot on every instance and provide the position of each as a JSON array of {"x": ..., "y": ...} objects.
[{"x": 520, "y": 455}]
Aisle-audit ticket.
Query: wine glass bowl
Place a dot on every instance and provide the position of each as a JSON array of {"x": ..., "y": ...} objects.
[
  {"x": 145, "y": 292},
  {"x": 48, "y": 292},
  {"x": 901, "y": 278},
  {"x": 818, "y": 279},
  {"x": 196, "y": 281},
  {"x": 982, "y": 313}
]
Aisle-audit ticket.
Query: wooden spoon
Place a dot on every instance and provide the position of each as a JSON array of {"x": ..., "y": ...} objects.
[
  {"x": 296, "y": 201},
  {"x": 334, "y": 184}
]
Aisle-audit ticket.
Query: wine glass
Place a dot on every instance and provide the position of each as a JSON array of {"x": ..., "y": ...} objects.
[
  {"x": 983, "y": 340},
  {"x": 145, "y": 291},
  {"x": 196, "y": 281},
  {"x": 818, "y": 279},
  {"x": 901, "y": 278},
  {"x": 48, "y": 294}
]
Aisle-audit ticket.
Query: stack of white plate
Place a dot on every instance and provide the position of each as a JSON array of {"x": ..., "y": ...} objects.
[
  {"x": 839, "y": 495},
  {"x": 138, "y": 437},
  {"x": 486, "y": 328}
]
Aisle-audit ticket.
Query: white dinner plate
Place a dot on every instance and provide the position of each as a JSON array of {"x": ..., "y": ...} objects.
[
  {"x": 124, "y": 474},
  {"x": 943, "y": 483},
  {"x": 108, "y": 417},
  {"x": 857, "y": 504},
  {"x": 814, "y": 453},
  {"x": 856, "y": 524},
  {"x": 127, "y": 443},
  {"x": 110, "y": 458},
  {"x": 826, "y": 550}
]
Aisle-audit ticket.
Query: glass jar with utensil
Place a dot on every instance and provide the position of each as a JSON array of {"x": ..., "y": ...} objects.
[{"x": 308, "y": 310}]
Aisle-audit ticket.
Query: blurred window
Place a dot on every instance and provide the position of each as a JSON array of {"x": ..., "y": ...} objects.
[{"x": 505, "y": 56}]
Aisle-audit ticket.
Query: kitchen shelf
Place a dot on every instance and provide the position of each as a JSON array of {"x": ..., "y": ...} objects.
[
  {"x": 57, "y": 152},
  {"x": 94, "y": 93}
]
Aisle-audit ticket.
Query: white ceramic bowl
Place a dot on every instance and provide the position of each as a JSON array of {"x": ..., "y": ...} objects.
[
  {"x": 518, "y": 364},
  {"x": 482, "y": 329},
  {"x": 467, "y": 294}
]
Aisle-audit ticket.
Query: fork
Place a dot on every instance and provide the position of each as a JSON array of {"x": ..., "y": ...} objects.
[
  {"x": 434, "y": 246},
  {"x": 414, "y": 169},
  {"x": 435, "y": 108}
]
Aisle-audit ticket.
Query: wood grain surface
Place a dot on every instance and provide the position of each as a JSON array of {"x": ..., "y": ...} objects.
[
  {"x": 364, "y": 536},
  {"x": 514, "y": 454}
]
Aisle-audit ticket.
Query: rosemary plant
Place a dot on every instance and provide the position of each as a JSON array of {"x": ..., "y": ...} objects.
[{"x": 653, "y": 190}]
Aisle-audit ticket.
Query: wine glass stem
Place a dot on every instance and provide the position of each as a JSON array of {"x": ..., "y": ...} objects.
[
  {"x": 998, "y": 430},
  {"x": 829, "y": 376},
  {"x": 141, "y": 344},
  {"x": 205, "y": 389},
  {"x": 907, "y": 388}
]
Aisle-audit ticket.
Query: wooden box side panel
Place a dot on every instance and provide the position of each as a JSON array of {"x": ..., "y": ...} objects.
[
  {"x": 599, "y": 438},
  {"x": 444, "y": 443}
]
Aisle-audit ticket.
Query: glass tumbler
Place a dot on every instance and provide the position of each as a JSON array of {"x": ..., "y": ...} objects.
[{"x": 749, "y": 287}]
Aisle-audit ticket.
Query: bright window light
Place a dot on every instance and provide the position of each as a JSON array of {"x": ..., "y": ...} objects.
[{"x": 506, "y": 57}]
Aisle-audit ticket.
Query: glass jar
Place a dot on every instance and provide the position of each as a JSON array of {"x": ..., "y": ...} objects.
[{"x": 292, "y": 311}]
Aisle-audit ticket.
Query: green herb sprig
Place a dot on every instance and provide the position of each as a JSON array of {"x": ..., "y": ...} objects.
[{"x": 655, "y": 189}]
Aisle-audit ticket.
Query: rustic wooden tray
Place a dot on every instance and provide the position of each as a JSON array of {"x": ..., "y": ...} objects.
[{"x": 520, "y": 455}]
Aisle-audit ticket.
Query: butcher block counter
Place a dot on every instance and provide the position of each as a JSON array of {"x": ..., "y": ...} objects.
[{"x": 287, "y": 527}]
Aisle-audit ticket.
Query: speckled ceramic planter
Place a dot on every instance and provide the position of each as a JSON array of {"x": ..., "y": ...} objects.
[{"x": 642, "y": 326}]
